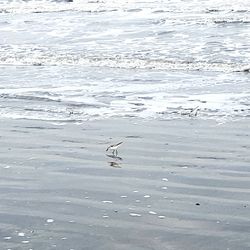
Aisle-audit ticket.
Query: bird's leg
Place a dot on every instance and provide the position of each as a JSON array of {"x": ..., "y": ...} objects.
[
  {"x": 116, "y": 152},
  {"x": 113, "y": 152}
]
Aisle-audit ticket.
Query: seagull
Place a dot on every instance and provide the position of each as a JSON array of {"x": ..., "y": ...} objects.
[{"x": 114, "y": 147}]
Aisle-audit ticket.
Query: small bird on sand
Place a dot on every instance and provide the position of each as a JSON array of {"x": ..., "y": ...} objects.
[{"x": 114, "y": 147}]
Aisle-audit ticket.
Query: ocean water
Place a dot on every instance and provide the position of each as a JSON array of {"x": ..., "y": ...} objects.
[{"x": 74, "y": 61}]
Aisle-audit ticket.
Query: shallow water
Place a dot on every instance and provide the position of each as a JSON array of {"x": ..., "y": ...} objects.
[
  {"x": 99, "y": 59},
  {"x": 76, "y": 94}
]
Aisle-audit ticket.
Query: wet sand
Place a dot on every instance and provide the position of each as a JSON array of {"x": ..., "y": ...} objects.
[{"x": 177, "y": 184}]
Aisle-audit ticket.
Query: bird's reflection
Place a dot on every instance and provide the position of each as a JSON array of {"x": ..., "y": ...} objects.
[
  {"x": 115, "y": 157},
  {"x": 115, "y": 163}
]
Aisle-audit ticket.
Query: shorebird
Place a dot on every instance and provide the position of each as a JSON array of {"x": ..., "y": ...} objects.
[
  {"x": 70, "y": 111},
  {"x": 114, "y": 147},
  {"x": 194, "y": 111}
]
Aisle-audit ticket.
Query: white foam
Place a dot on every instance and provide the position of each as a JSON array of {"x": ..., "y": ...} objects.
[
  {"x": 25, "y": 241},
  {"x": 135, "y": 215},
  {"x": 7, "y": 237},
  {"x": 152, "y": 212},
  {"x": 49, "y": 220},
  {"x": 110, "y": 202},
  {"x": 161, "y": 217},
  {"x": 165, "y": 179}
]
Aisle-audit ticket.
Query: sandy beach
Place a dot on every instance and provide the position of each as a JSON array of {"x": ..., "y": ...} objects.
[{"x": 175, "y": 184}]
